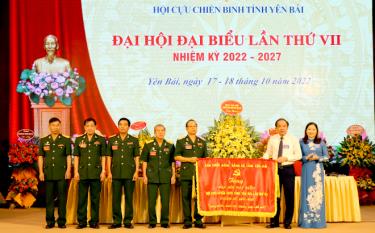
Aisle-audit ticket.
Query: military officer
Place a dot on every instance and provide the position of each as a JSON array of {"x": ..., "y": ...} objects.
[
  {"x": 188, "y": 150},
  {"x": 123, "y": 163},
  {"x": 158, "y": 173},
  {"x": 89, "y": 169},
  {"x": 54, "y": 164}
]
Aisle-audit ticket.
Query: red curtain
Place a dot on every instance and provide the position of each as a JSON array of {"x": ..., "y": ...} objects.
[{"x": 30, "y": 22}]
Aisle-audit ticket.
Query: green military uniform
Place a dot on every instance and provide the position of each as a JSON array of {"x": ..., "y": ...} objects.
[
  {"x": 186, "y": 148},
  {"x": 123, "y": 168},
  {"x": 55, "y": 153},
  {"x": 159, "y": 172},
  {"x": 90, "y": 167}
]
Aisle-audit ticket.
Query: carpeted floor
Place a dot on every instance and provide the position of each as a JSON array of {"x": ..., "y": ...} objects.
[{"x": 32, "y": 220}]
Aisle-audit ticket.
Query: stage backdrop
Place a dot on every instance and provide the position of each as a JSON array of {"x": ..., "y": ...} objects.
[{"x": 168, "y": 61}]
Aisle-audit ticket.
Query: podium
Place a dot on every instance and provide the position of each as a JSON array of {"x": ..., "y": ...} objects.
[{"x": 42, "y": 114}]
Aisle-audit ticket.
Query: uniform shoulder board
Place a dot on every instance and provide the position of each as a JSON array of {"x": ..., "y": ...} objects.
[
  {"x": 114, "y": 135},
  {"x": 181, "y": 137},
  {"x": 201, "y": 139},
  {"x": 149, "y": 141},
  {"x": 66, "y": 136}
]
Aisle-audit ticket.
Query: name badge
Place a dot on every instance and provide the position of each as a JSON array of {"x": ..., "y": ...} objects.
[{"x": 285, "y": 146}]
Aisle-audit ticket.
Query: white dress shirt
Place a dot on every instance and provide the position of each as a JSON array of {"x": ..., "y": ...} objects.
[{"x": 291, "y": 148}]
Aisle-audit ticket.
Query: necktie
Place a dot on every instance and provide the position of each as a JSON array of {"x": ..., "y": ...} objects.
[{"x": 280, "y": 152}]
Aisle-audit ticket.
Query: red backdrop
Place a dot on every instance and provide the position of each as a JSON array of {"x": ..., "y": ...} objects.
[{"x": 30, "y": 22}]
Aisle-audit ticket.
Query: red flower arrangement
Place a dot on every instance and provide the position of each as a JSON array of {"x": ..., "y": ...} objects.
[
  {"x": 24, "y": 187},
  {"x": 23, "y": 152}
]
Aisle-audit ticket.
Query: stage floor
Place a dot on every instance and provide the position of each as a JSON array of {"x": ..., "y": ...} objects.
[{"x": 32, "y": 220}]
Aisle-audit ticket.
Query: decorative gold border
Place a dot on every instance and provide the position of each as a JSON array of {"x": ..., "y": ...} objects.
[{"x": 238, "y": 213}]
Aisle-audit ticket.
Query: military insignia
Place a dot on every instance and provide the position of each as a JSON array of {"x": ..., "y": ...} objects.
[
  {"x": 61, "y": 146},
  {"x": 285, "y": 146},
  {"x": 130, "y": 143},
  {"x": 188, "y": 147},
  {"x": 114, "y": 147},
  {"x": 97, "y": 143},
  {"x": 82, "y": 144},
  {"x": 152, "y": 153},
  {"x": 46, "y": 148},
  {"x": 166, "y": 149},
  {"x": 200, "y": 144}
]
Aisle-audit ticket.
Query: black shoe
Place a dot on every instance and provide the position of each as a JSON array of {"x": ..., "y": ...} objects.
[
  {"x": 199, "y": 225},
  {"x": 287, "y": 226},
  {"x": 94, "y": 226},
  {"x": 62, "y": 226},
  {"x": 152, "y": 226},
  {"x": 164, "y": 225},
  {"x": 49, "y": 226},
  {"x": 187, "y": 226},
  {"x": 272, "y": 225},
  {"x": 128, "y": 225},
  {"x": 114, "y": 226},
  {"x": 81, "y": 226}
]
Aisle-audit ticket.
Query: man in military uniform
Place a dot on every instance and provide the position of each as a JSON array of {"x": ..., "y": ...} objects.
[
  {"x": 158, "y": 173},
  {"x": 123, "y": 163},
  {"x": 54, "y": 164},
  {"x": 89, "y": 169},
  {"x": 188, "y": 150}
]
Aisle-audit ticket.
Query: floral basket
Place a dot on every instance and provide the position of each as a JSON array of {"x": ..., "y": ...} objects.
[
  {"x": 24, "y": 187},
  {"x": 51, "y": 87},
  {"x": 23, "y": 153},
  {"x": 232, "y": 137}
]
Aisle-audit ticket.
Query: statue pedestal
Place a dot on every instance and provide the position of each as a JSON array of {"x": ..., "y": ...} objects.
[{"x": 42, "y": 114}]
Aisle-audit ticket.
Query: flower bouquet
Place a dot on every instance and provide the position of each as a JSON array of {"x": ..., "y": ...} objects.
[
  {"x": 24, "y": 187},
  {"x": 23, "y": 153},
  {"x": 232, "y": 137},
  {"x": 144, "y": 137},
  {"x": 357, "y": 152},
  {"x": 51, "y": 87}
]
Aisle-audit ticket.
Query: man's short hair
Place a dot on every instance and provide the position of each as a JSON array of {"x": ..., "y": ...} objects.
[
  {"x": 54, "y": 119},
  {"x": 159, "y": 125},
  {"x": 281, "y": 119},
  {"x": 87, "y": 120},
  {"x": 190, "y": 120},
  {"x": 124, "y": 119}
]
